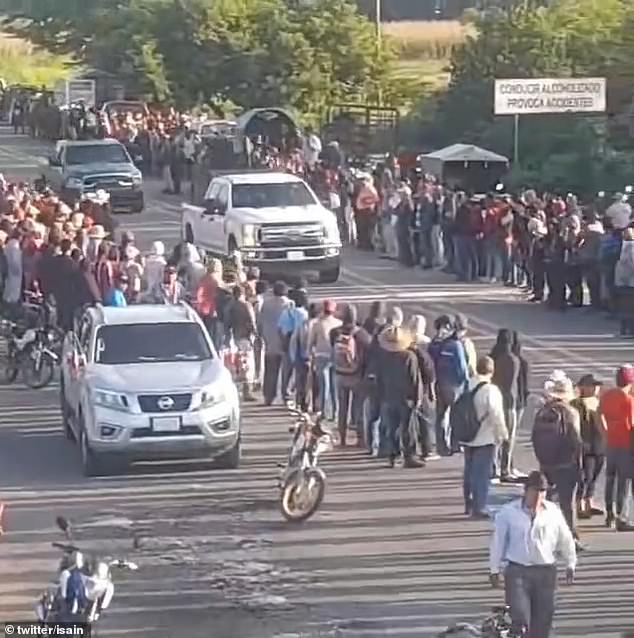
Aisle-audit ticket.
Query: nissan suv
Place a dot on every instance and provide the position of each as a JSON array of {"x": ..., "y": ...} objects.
[
  {"x": 144, "y": 383},
  {"x": 77, "y": 168}
]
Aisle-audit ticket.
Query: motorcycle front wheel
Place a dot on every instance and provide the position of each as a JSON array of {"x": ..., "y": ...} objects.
[
  {"x": 302, "y": 494},
  {"x": 38, "y": 369}
]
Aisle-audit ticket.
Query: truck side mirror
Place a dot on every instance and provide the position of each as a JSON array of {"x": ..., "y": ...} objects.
[
  {"x": 53, "y": 160},
  {"x": 214, "y": 207}
]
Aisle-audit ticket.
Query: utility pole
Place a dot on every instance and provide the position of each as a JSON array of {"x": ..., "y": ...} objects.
[{"x": 378, "y": 12}]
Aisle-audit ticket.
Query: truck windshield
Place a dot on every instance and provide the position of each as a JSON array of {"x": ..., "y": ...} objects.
[
  {"x": 151, "y": 343},
  {"x": 97, "y": 153},
  {"x": 272, "y": 195}
]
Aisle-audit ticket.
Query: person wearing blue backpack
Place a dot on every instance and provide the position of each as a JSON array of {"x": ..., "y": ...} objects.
[{"x": 452, "y": 375}]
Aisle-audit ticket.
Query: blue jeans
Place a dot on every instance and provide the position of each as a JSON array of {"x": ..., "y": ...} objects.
[
  {"x": 396, "y": 417},
  {"x": 494, "y": 259},
  {"x": 372, "y": 424},
  {"x": 466, "y": 255},
  {"x": 477, "y": 476},
  {"x": 325, "y": 374}
]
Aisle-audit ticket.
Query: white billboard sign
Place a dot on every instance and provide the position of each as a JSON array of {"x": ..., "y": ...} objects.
[{"x": 549, "y": 95}]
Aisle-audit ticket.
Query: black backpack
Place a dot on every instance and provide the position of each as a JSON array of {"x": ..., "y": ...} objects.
[
  {"x": 463, "y": 419},
  {"x": 553, "y": 443}
]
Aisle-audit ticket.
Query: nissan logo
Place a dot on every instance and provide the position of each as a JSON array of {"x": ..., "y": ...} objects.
[{"x": 165, "y": 403}]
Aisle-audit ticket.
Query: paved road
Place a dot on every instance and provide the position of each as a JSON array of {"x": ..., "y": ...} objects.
[{"x": 389, "y": 554}]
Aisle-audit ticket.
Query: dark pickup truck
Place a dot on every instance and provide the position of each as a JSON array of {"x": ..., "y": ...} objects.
[{"x": 76, "y": 168}]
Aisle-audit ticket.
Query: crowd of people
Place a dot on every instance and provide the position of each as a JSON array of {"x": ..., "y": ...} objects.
[
  {"x": 550, "y": 246},
  {"x": 391, "y": 390}
]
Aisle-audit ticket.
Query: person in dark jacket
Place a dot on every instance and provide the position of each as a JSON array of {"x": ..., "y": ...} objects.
[
  {"x": 398, "y": 384},
  {"x": 425, "y": 410},
  {"x": 240, "y": 323},
  {"x": 375, "y": 319},
  {"x": 65, "y": 271},
  {"x": 505, "y": 377},
  {"x": 450, "y": 362},
  {"x": 522, "y": 377}
]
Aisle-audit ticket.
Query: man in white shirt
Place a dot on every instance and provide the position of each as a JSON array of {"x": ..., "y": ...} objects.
[
  {"x": 479, "y": 453},
  {"x": 529, "y": 534}
]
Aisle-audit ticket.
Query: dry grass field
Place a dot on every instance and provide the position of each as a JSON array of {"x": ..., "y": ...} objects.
[{"x": 424, "y": 48}]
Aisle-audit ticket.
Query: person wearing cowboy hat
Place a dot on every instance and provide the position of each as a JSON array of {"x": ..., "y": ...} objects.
[
  {"x": 557, "y": 443},
  {"x": 399, "y": 390},
  {"x": 530, "y": 533}
]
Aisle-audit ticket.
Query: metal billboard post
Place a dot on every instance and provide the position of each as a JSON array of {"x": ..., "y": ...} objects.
[{"x": 516, "y": 140}]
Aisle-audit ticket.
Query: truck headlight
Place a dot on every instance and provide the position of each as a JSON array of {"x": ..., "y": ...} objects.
[
  {"x": 137, "y": 180},
  {"x": 248, "y": 235},
  {"x": 110, "y": 400},
  {"x": 331, "y": 232},
  {"x": 211, "y": 397},
  {"x": 74, "y": 182}
]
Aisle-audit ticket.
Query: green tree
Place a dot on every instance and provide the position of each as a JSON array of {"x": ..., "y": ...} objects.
[{"x": 251, "y": 52}]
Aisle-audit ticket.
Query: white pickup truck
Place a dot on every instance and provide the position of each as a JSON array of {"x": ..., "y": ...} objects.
[{"x": 273, "y": 219}]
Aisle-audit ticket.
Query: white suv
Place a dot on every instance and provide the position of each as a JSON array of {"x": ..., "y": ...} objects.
[{"x": 145, "y": 383}]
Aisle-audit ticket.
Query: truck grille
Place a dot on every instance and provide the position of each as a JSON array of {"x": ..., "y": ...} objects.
[
  {"x": 151, "y": 402},
  {"x": 283, "y": 235},
  {"x": 108, "y": 181},
  {"x": 186, "y": 430}
]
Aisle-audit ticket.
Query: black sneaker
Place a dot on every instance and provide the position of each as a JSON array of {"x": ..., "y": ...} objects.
[{"x": 411, "y": 463}]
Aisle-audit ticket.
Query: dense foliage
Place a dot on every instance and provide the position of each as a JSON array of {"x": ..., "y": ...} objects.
[
  {"x": 568, "y": 38},
  {"x": 250, "y": 52}
]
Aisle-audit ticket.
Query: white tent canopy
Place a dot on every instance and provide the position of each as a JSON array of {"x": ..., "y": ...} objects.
[{"x": 465, "y": 153}]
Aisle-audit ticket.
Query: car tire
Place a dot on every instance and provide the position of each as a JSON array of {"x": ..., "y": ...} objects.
[
  {"x": 230, "y": 460},
  {"x": 66, "y": 416},
  {"x": 330, "y": 276},
  {"x": 94, "y": 464},
  {"x": 137, "y": 209}
]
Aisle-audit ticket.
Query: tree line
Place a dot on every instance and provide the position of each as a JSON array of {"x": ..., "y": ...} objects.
[
  {"x": 565, "y": 38},
  {"x": 303, "y": 54}
]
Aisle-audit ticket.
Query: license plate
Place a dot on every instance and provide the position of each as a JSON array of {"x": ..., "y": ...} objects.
[
  {"x": 166, "y": 424},
  {"x": 295, "y": 255}
]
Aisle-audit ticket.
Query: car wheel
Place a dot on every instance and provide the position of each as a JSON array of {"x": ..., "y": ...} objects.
[
  {"x": 230, "y": 460},
  {"x": 93, "y": 464},
  {"x": 330, "y": 276},
  {"x": 66, "y": 416}
]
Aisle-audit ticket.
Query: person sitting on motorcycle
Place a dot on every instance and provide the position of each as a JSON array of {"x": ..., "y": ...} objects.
[{"x": 72, "y": 587}]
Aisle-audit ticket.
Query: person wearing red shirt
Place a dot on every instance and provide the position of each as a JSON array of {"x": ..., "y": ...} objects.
[{"x": 616, "y": 408}]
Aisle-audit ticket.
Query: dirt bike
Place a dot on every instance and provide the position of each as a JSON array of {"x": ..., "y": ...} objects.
[
  {"x": 96, "y": 577},
  {"x": 497, "y": 625},
  {"x": 302, "y": 482}
]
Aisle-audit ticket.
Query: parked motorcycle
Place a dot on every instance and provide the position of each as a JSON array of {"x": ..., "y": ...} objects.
[
  {"x": 302, "y": 483},
  {"x": 33, "y": 343},
  {"x": 33, "y": 351},
  {"x": 95, "y": 577}
]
